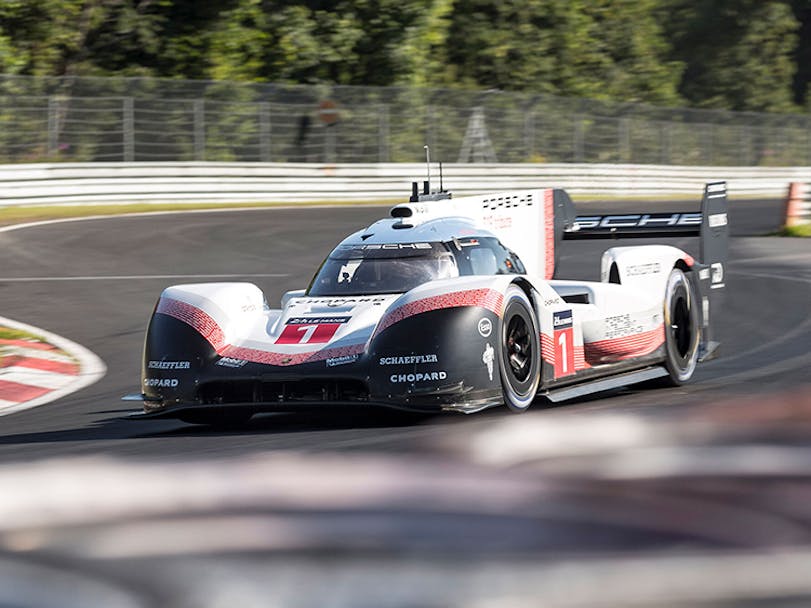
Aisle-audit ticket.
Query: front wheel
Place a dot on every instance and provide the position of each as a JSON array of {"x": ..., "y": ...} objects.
[
  {"x": 682, "y": 328},
  {"x": 520, "y": 352}
]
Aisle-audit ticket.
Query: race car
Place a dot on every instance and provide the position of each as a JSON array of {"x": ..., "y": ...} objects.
[{"x": 448, "y": 304}]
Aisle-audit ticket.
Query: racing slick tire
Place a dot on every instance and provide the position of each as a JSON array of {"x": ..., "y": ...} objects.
[
  {"x": 519, "y": 352},
  {"x": 682, "y": 329}
]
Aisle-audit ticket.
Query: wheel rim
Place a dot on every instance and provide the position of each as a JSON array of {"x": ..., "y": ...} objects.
[
  {"x": 518, "y": 347},
  {"x": 681, "y": 326}
]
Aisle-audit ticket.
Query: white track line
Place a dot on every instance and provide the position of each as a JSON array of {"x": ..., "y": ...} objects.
[
  {"x": 763, "y": 275},
  {"x": 137, "y": 277},
  {"x": 91, "y": 368},
  {"x": 774, "y": 258}
]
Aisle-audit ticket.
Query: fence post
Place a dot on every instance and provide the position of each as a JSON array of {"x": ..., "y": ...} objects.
[
  {"x": 128, "y": 129},
  {"x": 743, "y": 145},
  {"x": 329, "y": 143},
  {"x": 624, "y": 140},
  {"x": 664, "y": 142},
  {"x": 706, "y": 143},
  {"x": 808, "y": 133},
  {"x": 199, "y": 110},
  {"x": 383, "y": 134},
  {"x": 529, "y": 132},
  {"x": 264, "y": 132},
  {"x": 53, "y": 125},
  {"x": 579, "y": 129}
]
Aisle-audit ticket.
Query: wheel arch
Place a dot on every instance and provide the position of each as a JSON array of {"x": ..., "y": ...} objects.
[
  {"x": 683, "y": 266},
  {"x": 526, "y": 286}
]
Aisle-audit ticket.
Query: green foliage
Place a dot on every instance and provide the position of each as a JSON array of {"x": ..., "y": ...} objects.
[
  {"x": 604, "y": 49},
  {"x": 358, "y": 42},
  {"x": 738, "y": 53},
  {"x": 732, "y": 54}
]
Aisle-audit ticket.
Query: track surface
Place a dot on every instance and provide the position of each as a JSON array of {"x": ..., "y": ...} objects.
[{"x": 96, "y": 282}]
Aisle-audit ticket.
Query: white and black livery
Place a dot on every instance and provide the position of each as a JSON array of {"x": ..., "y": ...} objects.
[{"x": 449, "y": 304}]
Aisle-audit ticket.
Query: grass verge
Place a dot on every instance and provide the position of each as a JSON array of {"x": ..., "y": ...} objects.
[
  {"x": 18, "y": 215},
  {"x": 9, "y": 353},
  {"x": 7, "y": 333},
  {"x": 802, "y": 230}
]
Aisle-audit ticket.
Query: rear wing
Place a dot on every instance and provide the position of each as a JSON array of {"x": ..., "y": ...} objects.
[
  {"x": 655, "y": 225},
  {"x": 710, "y": 225}
]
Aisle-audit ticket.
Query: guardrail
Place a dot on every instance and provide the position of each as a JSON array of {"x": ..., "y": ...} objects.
[
  {"x": 798, "y": 204},
  {"x": 86, "y": 183}
]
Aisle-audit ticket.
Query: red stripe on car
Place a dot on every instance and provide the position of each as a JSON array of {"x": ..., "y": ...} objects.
[
  {"x": 618, "y": 349},
  {"x": 490, "y": 299},
  {"x": 207, "y": 327},
  {"x": 549, "y": 232},
  {"x": 195, "y": 318},
  {"x": 548, "y": 353}
]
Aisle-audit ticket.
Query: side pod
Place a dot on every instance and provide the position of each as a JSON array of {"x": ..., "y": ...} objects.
[{"x": 711, "y": 225}]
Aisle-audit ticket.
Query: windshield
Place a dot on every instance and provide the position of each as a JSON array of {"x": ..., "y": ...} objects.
[
  {"x": 486, "y": 256},
  {"x": 376, "y": 271}
]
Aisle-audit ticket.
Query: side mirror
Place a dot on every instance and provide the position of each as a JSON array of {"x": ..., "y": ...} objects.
[{"x": 289, "y": 295}]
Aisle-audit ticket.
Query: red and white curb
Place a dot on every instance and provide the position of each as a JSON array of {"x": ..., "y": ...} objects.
[{"x": 36, "y": 373}]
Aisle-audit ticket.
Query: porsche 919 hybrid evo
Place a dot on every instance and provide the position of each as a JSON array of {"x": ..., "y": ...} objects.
[{"x": 449, "y": 304}]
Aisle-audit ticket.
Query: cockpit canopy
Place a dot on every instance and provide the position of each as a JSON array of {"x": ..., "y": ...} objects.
[{"x": 364, "y": 269}]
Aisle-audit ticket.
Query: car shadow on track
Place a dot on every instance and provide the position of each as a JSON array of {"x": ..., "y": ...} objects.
[
  {"x": 301, "y": 422},
  {"x": 120, "y": 428}
]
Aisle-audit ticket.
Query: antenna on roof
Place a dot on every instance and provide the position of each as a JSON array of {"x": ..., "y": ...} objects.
[
  {"x": 427, "y": 194},
  {"x": 441, "y": 187},
  {"x": 428, "y": 166}
]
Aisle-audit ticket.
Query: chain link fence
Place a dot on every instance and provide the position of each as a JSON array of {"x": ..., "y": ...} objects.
[{"x": 148, "y": 119}]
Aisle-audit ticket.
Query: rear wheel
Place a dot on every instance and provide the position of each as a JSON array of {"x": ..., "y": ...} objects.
[
  {"x": 520, "y": 353},
  {"x": 682, "y": 328}
]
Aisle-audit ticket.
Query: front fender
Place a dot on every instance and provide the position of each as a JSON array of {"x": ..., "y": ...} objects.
[
  {"x": 188, "y": 325},
  {"x": 438, "y": 347}
]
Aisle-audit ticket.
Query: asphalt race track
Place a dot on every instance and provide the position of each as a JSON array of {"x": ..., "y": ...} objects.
[{"x": 96, "y": 281}]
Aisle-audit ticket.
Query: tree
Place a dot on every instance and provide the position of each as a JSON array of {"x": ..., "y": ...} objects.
[
  {"x": 738, "y": 53},
  {"x": 607, "y": 49},
  {"x": 802, "y": 55},
  {"x": 345, "y": 42},
  {"x": 732, "y": 54}
]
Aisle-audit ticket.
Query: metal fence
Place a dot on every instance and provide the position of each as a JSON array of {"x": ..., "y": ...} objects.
[{"x": 145, "y": 119}]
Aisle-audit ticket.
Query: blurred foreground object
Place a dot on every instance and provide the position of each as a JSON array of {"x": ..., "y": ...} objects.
[{"x": 703, "y": 506}]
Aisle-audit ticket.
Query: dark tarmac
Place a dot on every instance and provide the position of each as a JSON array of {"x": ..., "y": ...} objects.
[{"x": 96, "y": 282}]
